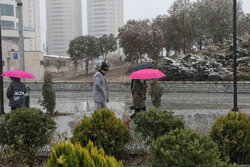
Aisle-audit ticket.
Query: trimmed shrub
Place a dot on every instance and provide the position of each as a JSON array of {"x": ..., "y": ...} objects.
[
  {"x": 105, "y": 130},
  {"x": 66, "y": 154},
  {"x": 154, "y": 123},
  {"x": 25, "y": 131},
  {"x": 185, "y": 148},
  {"x": 232, "y": 134}
]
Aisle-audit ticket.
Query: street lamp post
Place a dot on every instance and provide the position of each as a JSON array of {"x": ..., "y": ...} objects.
[
  {"x": 21, "y": 45},
  {"x": 235, "y": 108},
  {"x": 1, "y": 71}
]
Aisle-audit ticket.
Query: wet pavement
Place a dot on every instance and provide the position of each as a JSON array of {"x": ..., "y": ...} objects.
[{"x": 80, "y": 103}]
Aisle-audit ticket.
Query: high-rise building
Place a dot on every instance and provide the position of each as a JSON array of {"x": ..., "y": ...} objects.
[
  {"x": 64, "y": 23},
  {"x": 104, "y": 16},
  {"x": 31, "y": 23}
]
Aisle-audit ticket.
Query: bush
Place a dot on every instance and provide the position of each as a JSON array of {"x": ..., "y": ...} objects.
[
  {"x": 232, "y": 134},
  {"x": 67, "y": 154},
  {"x": 49, "y": 95},
  {"x": 104, "y": 129},
  {"x": 25, "y": 131},
  {"x": 185, "y": 148},
  {"x": 153, "y": 123}
]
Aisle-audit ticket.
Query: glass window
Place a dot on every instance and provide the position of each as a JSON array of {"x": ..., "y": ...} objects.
[
  {"x": 7, "y": 24},
  {"x": 7, "y": 10}
]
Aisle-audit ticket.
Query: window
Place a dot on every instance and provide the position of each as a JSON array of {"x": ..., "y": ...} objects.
[
  {"x": 7, "y": 24},
  {"x": 7, "y": 10}
]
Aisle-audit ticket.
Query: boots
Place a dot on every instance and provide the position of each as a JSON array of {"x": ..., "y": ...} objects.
[{"x": 127, "y": 122}]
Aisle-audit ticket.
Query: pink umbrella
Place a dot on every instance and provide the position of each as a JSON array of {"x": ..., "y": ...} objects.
[
  {"x": 18, "y": 74},
  {"x": 147, "y": 74}
]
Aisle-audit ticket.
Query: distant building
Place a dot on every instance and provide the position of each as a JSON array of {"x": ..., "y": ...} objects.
[
  {"x": 31, "y": 23},
  {"x": 104, "y": 16},
  {"x": 34, "y": 60},
  {"x": 64, "y": 23}
]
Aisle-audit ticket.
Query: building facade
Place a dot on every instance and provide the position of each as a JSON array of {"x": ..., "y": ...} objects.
[
  {"x": 104, "y": 16},
  {"x": 31, "y": 23},
  {"x": 64, "y": 23}
]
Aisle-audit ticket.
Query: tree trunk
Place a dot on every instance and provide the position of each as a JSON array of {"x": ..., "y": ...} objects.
[
  {"x": 105, "y": 58},
  {"x": 87, "y": 66},
  {"x": 200, "y": 43},
  {"x": 133, "y": 58},
  {"x": 75, "y": 69}
]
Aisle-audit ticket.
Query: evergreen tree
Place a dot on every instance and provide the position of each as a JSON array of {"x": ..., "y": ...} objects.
[{"x": 49, "y": 96}]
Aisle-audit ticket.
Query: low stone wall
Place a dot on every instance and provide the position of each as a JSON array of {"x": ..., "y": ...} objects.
[{"x": 223, "y": 87}]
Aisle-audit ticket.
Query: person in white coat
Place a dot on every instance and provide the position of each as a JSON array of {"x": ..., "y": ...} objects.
[{"x": 100, "y": 87}]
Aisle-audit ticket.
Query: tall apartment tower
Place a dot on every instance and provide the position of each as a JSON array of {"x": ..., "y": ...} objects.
[
  {"x": 31, "y": 23},
  {"x": 64, "y": 23},
  {"x": 104, "y": 16}
]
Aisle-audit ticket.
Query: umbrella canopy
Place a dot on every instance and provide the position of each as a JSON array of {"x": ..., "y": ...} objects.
[
  {"x": 139, "y": 67},
  {"x": 147, "y": 74},
  {"x": 18, "y": 74}
]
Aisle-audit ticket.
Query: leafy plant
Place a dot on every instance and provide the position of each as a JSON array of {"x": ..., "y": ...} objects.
[
  {"x": 232, "y": 134},
  {"x": 184, "y": 147},
  {"x": 25, "y": 131},
  {"x": 106, "y": 44},
  {"x": 156, "y": 92},
  {"x": 68, "y": 155},
  {"x": 104, "y": 129},
  {"x": 153, "y": 123},
  {"x": 83, "y": 48},
  {"x": 49, "y": 95}
]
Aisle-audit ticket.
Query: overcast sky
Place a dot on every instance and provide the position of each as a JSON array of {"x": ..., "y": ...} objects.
[{"x": 134, "y": 9}]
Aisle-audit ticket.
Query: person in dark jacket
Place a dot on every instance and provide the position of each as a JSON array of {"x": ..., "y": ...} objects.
[
  {"x": 100, "y": 87},
  {"x": 139, "y": 89},
  {"x": 16, "y": 93}
]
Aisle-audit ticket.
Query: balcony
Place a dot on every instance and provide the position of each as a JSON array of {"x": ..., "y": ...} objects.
[{"x": 11, "y": 32}]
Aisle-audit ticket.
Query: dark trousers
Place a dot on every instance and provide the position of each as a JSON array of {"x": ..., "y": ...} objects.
[
  {"x": 14, "y": 108},
  {"x": 136, "y": 111}
]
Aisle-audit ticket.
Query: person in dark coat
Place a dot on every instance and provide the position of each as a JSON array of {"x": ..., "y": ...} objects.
[
  {"x": 16, "y": 93},
  {"x": 139, "y": 90},
  {"x": 100, "y": 87}
]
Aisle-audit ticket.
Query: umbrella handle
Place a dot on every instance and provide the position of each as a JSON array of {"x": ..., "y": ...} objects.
[{"x": 28, "y": 90}]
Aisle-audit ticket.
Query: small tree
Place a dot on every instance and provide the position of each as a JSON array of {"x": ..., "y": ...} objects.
[
  {"x": 83, "y": 48},
  {"x": 156, "y": 92},
  {"x": 49, "y": 96},
  {"x": 107, "y": 43}
]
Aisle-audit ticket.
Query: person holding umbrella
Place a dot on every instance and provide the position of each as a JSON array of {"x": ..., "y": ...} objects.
[
  {"x": 140, "y": 88},
  {"x": 16, "y": 93}
]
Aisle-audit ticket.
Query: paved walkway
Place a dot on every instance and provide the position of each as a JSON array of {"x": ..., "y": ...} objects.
[{"x": 199, "y": 110}]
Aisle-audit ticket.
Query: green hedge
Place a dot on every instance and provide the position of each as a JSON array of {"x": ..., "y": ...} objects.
[
  {"x": 105, "y": 130},
  {"x": 232, "y": 134},
  {"x": 68, "y": 155},
  {"x": 26, "y": 131}
]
